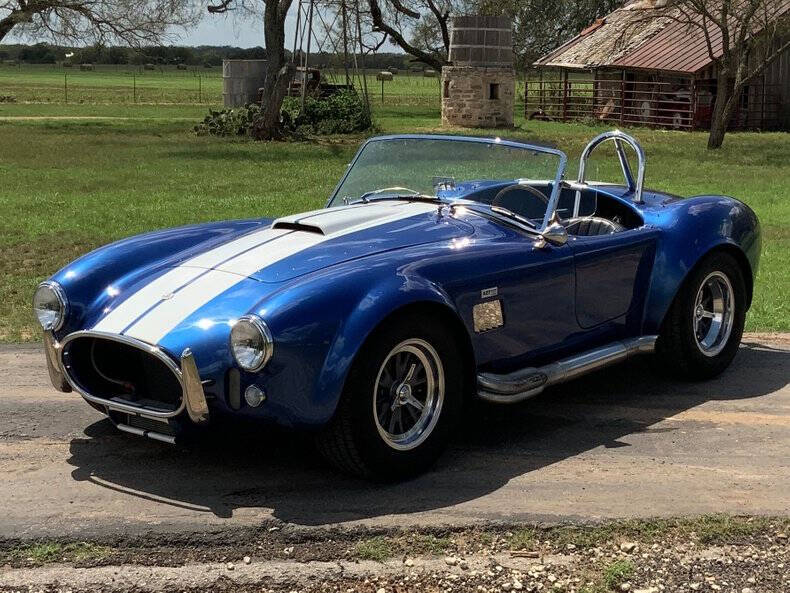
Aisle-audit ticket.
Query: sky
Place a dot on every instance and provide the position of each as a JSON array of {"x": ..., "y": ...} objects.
[{"x": 216, "y": 29}]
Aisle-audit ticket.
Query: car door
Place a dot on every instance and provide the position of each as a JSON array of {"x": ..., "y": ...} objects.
[
  {"x": 518, "y": 300},
  {"x": 612, "y": 273}
]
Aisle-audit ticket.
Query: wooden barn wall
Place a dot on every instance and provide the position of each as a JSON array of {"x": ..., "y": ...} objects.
[{"x": 777, "y": 83}]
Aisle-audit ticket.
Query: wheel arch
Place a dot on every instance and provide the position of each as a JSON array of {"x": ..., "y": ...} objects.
[
  {"x": 730, "y": 249},
  {"x": 431, "y": 307}
]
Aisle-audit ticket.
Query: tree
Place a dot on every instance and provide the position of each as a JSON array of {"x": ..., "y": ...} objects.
[
  {"x": 279, "y": 71},
  {"x": 420, "y": 27},
  {"x": 133, "y": 22},
  {"x": 543, "y": 25},
  {"x": 742, "y": 37}
]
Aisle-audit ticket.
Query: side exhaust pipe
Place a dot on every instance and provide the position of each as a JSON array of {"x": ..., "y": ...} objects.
[{"x": 528, "y": 382}]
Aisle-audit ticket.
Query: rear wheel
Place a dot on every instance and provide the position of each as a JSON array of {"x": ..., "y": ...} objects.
[
  {"x": 400, "y": 401},
  {"x": 703, "y": 328}
]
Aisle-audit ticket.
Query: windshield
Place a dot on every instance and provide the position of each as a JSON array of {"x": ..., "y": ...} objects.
[{"x": 507, "y": 175}]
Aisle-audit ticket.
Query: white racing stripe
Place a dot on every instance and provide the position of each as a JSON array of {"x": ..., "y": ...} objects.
[
  {"x": 125, "y": 314},
  {"x": 192, "y": 286}
]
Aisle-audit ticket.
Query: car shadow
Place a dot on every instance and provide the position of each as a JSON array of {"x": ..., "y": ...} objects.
[{"x": 262, "y": 467}]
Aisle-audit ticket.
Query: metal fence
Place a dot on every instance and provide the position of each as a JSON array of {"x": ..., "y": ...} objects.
[{"x": 678, "y": 104}]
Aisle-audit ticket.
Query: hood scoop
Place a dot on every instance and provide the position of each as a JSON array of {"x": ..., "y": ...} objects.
[
  {"x": 343, "y": 219},
  {"x": 296, "y": 226}
]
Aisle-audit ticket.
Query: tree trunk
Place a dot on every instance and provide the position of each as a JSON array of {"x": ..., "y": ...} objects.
[
  {"x": 6, "y": 25},
  {"x": 267, "y": 126},
  {"x": 727, "y": 99},
  {"x": 278, "y": 70}
]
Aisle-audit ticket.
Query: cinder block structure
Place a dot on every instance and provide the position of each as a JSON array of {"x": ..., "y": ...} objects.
[{"x": 478, "y": 89}]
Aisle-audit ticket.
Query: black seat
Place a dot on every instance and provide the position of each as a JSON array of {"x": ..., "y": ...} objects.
[{"x": 588, "y": 226}]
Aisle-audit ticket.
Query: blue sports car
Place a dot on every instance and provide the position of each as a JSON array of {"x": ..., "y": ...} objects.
[{"x": 443, "y": 268}]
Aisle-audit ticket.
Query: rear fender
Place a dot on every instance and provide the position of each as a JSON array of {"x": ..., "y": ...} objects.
[{"x": 691, "y": 229}]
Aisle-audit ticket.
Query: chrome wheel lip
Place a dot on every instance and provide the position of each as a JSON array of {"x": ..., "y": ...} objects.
[
  {"x": 712, "y": 321},
  {"x": 434, "y": 400}
]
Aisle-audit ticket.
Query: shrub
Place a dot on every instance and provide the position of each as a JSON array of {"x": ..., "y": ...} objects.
[
  {"x": 229, "y": 122},
  {"x": 342, "y": 113}
]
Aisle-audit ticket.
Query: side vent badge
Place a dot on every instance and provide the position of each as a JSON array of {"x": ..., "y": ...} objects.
[
  {"x": 487, "y": 316},
  {"x": 487, "y": 293}
]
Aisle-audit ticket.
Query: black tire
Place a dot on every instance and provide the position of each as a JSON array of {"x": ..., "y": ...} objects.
[
  {"x": 678, "y": 347},
  {"x": 352, "y": 441}
]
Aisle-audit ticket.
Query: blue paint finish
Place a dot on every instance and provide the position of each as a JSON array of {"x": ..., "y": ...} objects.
[{"x": 322, "y": 303}]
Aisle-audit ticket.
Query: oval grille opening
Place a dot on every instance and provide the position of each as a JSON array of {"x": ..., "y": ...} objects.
[{"x": 121, "y": 372}]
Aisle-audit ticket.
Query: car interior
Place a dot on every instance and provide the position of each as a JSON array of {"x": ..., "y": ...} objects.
[{"x": 596, "y": 214}]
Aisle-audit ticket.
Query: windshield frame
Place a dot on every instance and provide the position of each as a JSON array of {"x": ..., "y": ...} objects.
[{"x": 556, "y": 185}]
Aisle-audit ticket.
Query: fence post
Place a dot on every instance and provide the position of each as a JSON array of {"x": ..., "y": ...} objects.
[
  {"x": 622, "y": 98},
  {"x": 134, "y": 86},
  {"x": 693, "y": 106},
  {"x": 762, "y": 105},
  {"x": 66, "y": 86},
  {"x": 564, "y": 94},
  {"x": 200, "y": 88}
]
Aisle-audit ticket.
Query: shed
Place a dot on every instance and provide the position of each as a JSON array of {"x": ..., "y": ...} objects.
[{"x": 632, "y": 70}]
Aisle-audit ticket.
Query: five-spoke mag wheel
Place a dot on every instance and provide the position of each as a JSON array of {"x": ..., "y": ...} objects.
[
  {"x": 703, "y": 328},
  {"x": 408, "y": 394},
  {"x": 400, "y": 401}
]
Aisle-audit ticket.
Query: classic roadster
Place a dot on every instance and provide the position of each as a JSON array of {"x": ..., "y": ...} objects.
[{"x": 442, "y": 268}]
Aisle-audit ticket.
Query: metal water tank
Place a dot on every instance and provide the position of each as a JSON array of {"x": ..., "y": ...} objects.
[
  {"x": 241, "y": 80},
  {"x": 481, "y": 41}
]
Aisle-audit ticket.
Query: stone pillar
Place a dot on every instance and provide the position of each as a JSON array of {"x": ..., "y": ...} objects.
[{"x": 478, "y": 89}]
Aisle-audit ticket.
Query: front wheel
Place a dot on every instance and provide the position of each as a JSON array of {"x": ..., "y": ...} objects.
[
  {"x": 400, "y": 401},
  {"x": 704, "y": 325}
]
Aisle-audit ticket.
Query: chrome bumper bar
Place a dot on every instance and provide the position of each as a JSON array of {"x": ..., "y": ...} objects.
[{"x": 193, "y": 397}]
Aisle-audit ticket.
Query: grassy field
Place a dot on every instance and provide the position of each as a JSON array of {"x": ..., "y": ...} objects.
[
  {"x": 133, "y": 84},
  {"x": 79, "y": 175}
]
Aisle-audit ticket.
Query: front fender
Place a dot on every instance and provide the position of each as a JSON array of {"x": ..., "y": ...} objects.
[
  {"x": 691, "y": 228},
  {"x": 319, "y": 327}
]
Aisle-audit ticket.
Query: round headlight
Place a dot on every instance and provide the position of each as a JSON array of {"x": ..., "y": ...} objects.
[
  {"x": 251, "y": 343},
  {"x": 49, "y": 304}
]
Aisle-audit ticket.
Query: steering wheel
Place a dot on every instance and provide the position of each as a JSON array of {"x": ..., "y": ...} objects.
[{"x": 501, "y": 200}]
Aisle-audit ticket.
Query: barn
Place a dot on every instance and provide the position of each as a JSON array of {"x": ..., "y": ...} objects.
[{"x": 630, "y": 70}]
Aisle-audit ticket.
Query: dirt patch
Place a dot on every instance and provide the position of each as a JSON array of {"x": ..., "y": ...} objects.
[{"x": 705, "y": 554}]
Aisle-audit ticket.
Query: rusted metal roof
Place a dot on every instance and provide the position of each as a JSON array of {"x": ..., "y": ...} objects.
[{"x": 627, "y": 39}]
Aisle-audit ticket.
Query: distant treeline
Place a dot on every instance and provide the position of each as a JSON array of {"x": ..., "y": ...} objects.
[{"x": 203, "y": 55}]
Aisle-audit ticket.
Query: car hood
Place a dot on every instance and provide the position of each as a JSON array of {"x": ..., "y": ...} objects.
[
  {"x": 303, "y": 243},
  {"x": 221, "y": 282}
]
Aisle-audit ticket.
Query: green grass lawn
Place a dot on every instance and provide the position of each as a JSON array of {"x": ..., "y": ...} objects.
[{"x": 69, "y": 184}]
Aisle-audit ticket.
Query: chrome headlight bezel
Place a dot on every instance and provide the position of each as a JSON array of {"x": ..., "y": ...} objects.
[
  {"x": 257, "y": 327},
  {"x": 57, "y": 291}
]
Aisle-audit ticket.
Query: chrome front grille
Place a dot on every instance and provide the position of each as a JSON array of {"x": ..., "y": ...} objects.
[{"x": 123, "y": 374}]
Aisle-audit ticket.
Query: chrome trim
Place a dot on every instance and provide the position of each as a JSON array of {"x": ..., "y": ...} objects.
[
  {"x": 61, "y": 296},
  {"x": 118, "y": 406},
  {"x": 555, "y": 234},
  {"x": 619, "y": 137},
  {"x": 265, "y": 332},
  {"x": 195, "y": 399},
  {"x": 157, "y": 436},
  {"x": 529, "y": 382},
  {"x": 52, "y": 353}
]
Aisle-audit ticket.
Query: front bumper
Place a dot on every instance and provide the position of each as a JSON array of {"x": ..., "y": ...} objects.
[{"x": 193, "y": 399}]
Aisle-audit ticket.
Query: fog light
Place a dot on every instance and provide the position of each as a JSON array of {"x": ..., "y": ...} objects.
[{"x": 254, "y": 396}]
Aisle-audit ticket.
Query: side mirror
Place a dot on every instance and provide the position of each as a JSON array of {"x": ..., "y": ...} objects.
[{"x": 554, "y": 234}]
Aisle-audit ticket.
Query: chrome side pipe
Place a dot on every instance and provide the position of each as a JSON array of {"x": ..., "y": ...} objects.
[{"x": 528, "y": 382}]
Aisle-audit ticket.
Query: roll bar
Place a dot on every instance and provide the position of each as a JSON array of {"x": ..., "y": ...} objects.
[{"x": 619, "y": 137}]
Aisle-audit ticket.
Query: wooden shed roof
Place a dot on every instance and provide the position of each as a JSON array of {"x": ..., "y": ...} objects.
[{"x": 626, "y": 39}]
